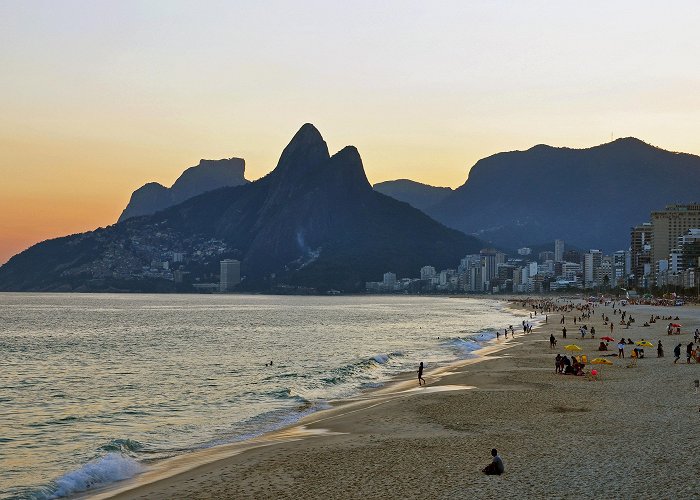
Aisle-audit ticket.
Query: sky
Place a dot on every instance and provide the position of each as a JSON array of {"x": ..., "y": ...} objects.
[{"x": 99, "y": 97}]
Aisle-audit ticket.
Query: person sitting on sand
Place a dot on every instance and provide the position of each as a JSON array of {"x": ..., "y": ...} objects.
[
  {"x": 629, "y": 341},
  {"x": 602, "y": 346},
  {"x": 495, "y": 468}
]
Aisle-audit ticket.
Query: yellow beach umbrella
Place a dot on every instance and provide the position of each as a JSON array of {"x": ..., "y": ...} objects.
[
  {"x": 644, "y": 343},
  {"x": 572, "y": 347},
  {"x": 601, "y": 361}
]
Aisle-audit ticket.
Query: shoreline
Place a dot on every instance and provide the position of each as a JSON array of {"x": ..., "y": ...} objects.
[
  {"x": 399, "y": 385},
  {"x": 557, "y": 434}
]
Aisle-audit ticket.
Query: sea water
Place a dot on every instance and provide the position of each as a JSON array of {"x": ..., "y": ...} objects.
[{"x": 95, "y": 387}]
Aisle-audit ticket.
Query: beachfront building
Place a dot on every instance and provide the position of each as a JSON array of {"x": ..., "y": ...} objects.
[
  {"x": 668, "y": 225},
  {"x": 427, "y": 273},
  {"x": 490, "y": 258},
  {"x": 592, "y": 261},
  {"x": 389, "y": 281},
  {"x": 620, "y": 261},
  {"x": 230, "y": 274},
  {"x": 640, "y": 255},
  {"x": 558, "y": 250}
]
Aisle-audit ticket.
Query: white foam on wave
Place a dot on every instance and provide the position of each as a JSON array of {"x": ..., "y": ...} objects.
[{"x": 108, "y": 469}]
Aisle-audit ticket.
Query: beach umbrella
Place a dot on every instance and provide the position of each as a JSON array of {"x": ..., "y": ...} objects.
[
  {"x": 599, "y": 361},
  {"x": 644, "y": 343},
  {"x": 676, "y": 325},
  {"x": 607, "y": 339},
  {"x": 572, "y": 347}
]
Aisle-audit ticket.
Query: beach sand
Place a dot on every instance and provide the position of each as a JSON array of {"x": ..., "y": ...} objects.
[{"x": 632, "y": 434}]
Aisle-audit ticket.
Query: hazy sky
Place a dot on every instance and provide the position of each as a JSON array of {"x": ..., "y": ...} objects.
[{"x": 98, "y": 97}]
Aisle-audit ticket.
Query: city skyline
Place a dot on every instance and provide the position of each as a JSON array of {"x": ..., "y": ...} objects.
[{"x": 100, "y": 98}]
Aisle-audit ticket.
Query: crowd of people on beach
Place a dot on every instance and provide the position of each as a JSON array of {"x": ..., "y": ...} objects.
[{"x": 575, "y": 365}]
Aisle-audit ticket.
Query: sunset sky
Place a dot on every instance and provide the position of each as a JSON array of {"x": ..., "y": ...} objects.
[{"x": 99, "y": 97}]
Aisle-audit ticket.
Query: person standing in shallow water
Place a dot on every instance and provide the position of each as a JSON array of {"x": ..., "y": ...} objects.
[{"x": 420, "y": 374}]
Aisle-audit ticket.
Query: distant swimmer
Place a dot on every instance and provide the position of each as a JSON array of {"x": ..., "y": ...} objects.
[{"x": 420, "y": 374}]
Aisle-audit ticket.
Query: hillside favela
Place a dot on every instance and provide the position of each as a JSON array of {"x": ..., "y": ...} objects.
[{"x": 404, "y": 250}]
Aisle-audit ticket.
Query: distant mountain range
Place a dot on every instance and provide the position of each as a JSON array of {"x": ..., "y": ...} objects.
[
  {"x": 588, "y": 197},
  {"x": 207, "y": 176},
  {"x": 314, "y": 222},
  {"x": 421, "y": 196}
]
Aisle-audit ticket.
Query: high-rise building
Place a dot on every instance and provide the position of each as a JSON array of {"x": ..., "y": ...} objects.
[
  {"x": 640, "y": 254},
  {"x": 558, "y": 250},
  {"x": 490, "y": 259},
  {"x": 619, "y": 268},
  {"x": 689, "y": 244},
  {"x": 668, "y": 225},
  {"x": 573, "y": 256},
  {"x": 230, "y": 274},
  {"x": 388, "y": 282},
  {"x": 427, "y": 272},
  {"x": 592, "y": 261},
  {"x": 545, "y": 256}
]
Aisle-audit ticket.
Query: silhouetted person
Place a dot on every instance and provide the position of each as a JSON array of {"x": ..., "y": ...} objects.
[
  {"x": 495, "y": 468},
  {"x": 420, "y": 374},
  {"x": 689, "y": 352},
  {"x": 677, "y": 353}
]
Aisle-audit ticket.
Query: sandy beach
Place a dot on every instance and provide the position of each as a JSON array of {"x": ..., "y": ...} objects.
[{"x": 632, "y": 433}]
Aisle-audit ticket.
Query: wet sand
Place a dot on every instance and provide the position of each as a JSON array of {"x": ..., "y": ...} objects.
[{"x": 629, "y": 434}]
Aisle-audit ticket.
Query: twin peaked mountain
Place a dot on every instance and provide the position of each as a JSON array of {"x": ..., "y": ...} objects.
[{"x": 314, "y": 221}]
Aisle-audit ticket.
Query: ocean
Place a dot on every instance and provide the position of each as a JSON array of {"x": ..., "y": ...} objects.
[{"x": 93, "y": 388}]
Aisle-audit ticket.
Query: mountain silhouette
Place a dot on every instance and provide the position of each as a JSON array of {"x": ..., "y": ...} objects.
[
  {"x": 207, "y": 176},
  {"x": 588, "y": 197},
  {"x": 314, "y": 221},
  {"x": 416, "y": 194}
]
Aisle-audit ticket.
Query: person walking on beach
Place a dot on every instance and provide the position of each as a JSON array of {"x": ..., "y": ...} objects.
[
  {"x": 552, "y": 341},
  {"x": 689, "y": 352},
  {"x": 495, "y": 468},
  {"x": 677, "y": 353},
  {"x": 420, "y": 374},
  {"x": 659, "y": 350},
  {"x": 563, "y": 332},
  {"x": 621, "y": 349}
]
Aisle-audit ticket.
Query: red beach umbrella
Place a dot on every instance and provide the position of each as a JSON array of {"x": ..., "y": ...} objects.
[
  {"x": 676, "y": 325},
  {"x": 607, "y": 339}
]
